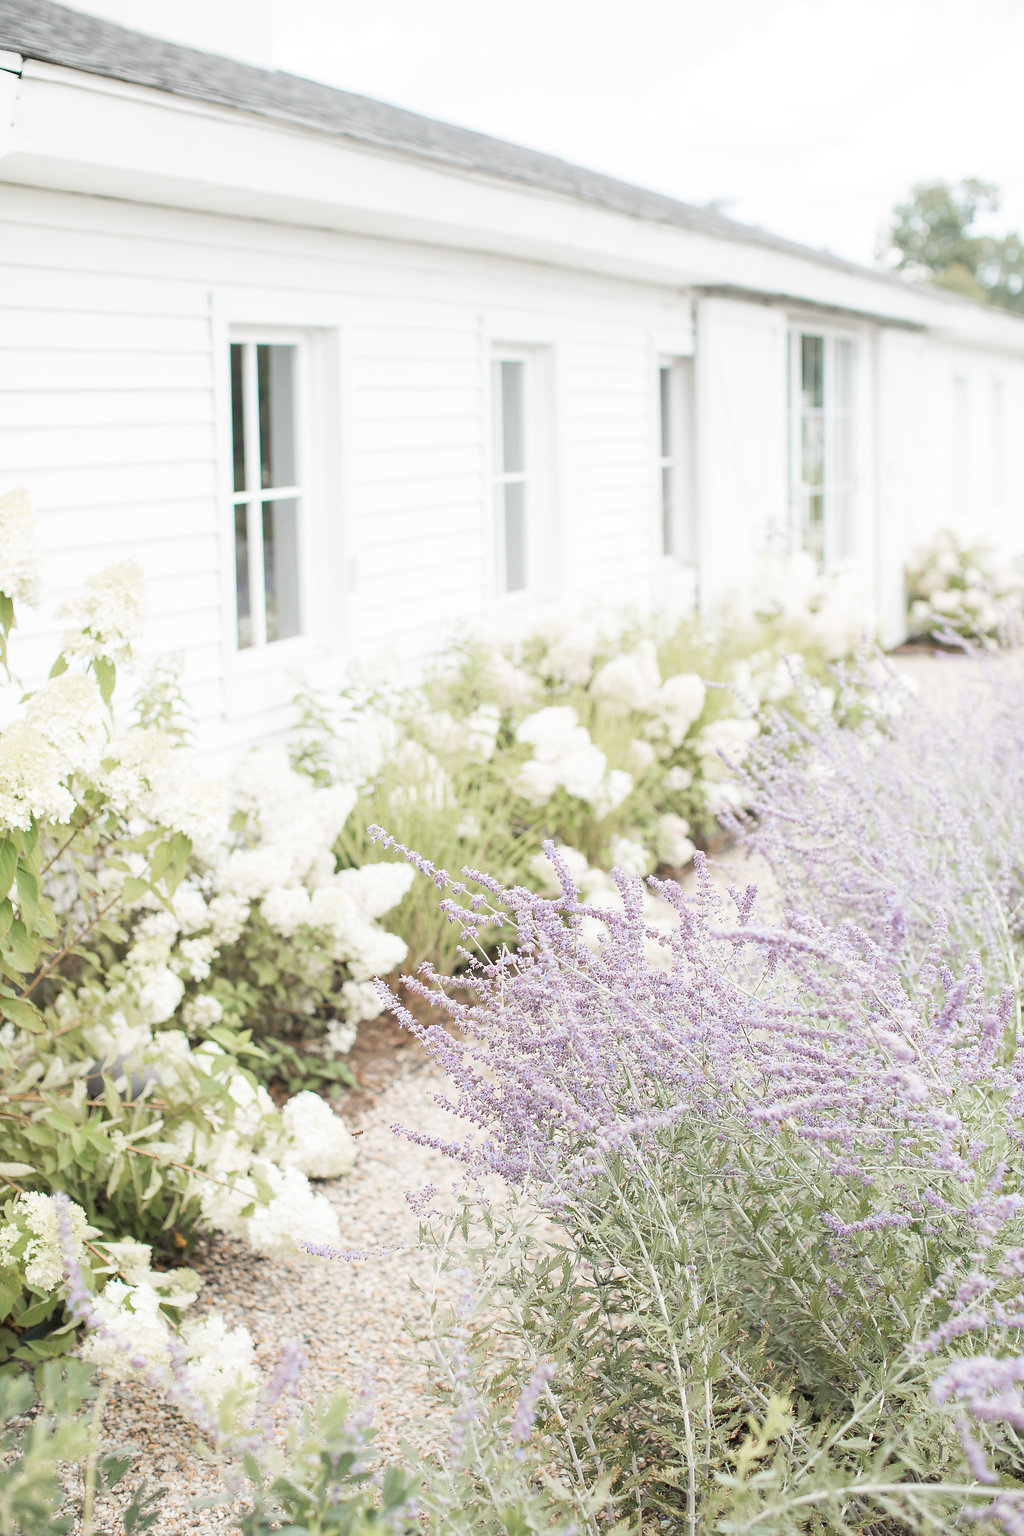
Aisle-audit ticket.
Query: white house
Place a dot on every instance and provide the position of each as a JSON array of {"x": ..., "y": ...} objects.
[{"x": 340, "y": 375}]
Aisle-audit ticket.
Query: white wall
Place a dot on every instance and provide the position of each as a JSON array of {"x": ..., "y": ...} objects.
[
  {"x": 742, "y": 484},
  {"x": 113, "y": 403}
]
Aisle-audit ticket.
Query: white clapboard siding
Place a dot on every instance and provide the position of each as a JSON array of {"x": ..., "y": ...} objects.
[
  {"x": 68, "y": 409},
  {"x": 112, "y": 411}
]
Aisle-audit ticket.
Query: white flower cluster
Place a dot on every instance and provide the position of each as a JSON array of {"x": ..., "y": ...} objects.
[
  {"x": 61, "y": 732},
  {"x": 29, "y": 1240},
  {"x": 831, "y": 608},
  {"x": 219, "y": 1362},
  {"x": 107, "y": 615},
  {"x": 289, "y": 868},
  {"x": 20, "y": 564},
  {"x": 964, "y": 589},
  {"x": 565, "y": 757}
]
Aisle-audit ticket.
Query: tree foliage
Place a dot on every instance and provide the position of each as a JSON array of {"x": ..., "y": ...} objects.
[{"x": 935, "y": 236}]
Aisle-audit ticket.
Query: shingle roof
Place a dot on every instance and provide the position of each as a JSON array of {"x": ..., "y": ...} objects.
[{"x": 41, "y": 30}]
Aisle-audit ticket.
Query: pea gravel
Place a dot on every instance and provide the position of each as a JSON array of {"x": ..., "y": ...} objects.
[{"x": 351, "y": 1319}]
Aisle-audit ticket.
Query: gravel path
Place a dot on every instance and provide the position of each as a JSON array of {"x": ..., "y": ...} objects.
[{"x": 350, "y": 1319}]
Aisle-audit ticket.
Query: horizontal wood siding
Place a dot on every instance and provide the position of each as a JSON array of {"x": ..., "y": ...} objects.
[{"x": 108, "y": 413}]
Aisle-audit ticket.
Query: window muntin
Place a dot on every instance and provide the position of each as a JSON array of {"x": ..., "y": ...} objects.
[
  {"x": 823, "y": 459},
  {"x": 267, "y": 496},
  {"x": 666, "y": 461},
  {"x": 512, "y": 472}
]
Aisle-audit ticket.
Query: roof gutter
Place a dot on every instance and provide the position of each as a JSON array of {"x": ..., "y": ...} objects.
[{"x": 796, "y": 301}]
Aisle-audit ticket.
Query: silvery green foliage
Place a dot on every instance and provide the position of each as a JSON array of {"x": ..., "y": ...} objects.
[{"x": 765, "y": 1215}]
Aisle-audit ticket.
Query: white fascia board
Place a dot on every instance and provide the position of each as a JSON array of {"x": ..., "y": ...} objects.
[{"x": 84, "y": 133}]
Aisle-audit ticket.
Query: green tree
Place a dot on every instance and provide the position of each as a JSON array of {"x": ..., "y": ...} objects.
[{"x": 935, "y": 237}]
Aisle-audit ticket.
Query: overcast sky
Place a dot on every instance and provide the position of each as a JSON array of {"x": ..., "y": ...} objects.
[{"x": 811, "y": 117}]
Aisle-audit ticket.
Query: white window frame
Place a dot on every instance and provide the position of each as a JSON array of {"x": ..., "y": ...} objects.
[
  {"x": 254, "y": 497},
  {"x": 533, "y": 476},
  {"x": 676, "y": 534},
  {"x": 839, "y": 544}
]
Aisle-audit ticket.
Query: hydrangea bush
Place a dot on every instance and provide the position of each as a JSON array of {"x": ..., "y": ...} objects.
[
  {"x": 153, "y": 922},
  {"x": 618, "y": 740},
  {"x": 964, "y": 591}
]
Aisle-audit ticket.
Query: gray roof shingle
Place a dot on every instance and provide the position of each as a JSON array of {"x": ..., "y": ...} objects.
[{"x": 39, "y": 29}]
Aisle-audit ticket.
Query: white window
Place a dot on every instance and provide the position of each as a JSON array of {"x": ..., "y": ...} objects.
[
  {"x": 515, "y": 472},
  {"x": 675, "y": 465},
  {"x": 267, "y": 492},
  {"x": 998, "y": 443},
  {"x": 822, "y": 444}
]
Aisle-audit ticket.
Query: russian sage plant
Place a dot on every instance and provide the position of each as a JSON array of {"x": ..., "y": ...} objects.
[{"x": 764, "y": 1213}]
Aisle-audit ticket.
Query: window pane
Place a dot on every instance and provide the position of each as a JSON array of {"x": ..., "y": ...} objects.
[
  {"x": 812, "y": 370},
  {"x": 512, "y": 418},
  {"x": 844, "y": 375},
  {"x": 843, "y": 518},
  {"x": 244, "y": 608},
  {"x": 515, "y": 536},
  {"x": 814, "y": 528},
  {"x": 842, "y": 468},
  {"x": 667, "y": 529},
  {"x": 281, "y": 568},
  {"x": 665, "y": 379},
  {"x": 813, "y": 450},
  {"x": 275, "y": 369},
  {"x": 237, "y": 417}
]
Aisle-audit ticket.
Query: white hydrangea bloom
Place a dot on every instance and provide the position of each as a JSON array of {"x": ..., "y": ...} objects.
[
  {"x": 159, "y": 991},
  {"x": 228, "y": 915},
  {"x": 360, "y": 749},
  {"x": 202, "y": 1013},
  {"x": 108, "y": 614},
  {"x": 730, "y": 737},
  {"x": 361, "y": 1002},
  {"x": 678, "y": 778},
  {"x": 286, "y": 908},
  {"x": 131, "y": 762},
  {"x": 68, "y": 712},
  {"x": 612, "y": 791},
  {"x": 630, "y": 854},
  {"x": 21, "y": 571},
  {"x": 190, "y": 908},
  {"x": 376, "y": 888},
  {"x": 537, "y": 781},
  {"x": 677, "y": 705},
  {"x": 480, "y": 730},
  {"x": 341, "y": 1034},
  {"x": 582, "y": 771},
  {"x": 371, "y": 951},
  {"x": 195, "y": 957},
  {"x": 30, "y": 779},
  {"x": 219, "y": 1360},
  {"x": 570, "y": 644},
  {"x": 182, "y": 801},
  {"x": 514, "y": 687},
  {"x": 629, "y": 682},
  {"x": 113, "y": 1038},
  {"x": 314, "y": 1139},
  {"x": 133, "y": 1315},
  {"x": 672, "y": 841},
  {"x": 563, "y": 755},
  {"x": 41, "y": 1260},
  {"x": 294, "y": 1215},
  {"x": 641, "y": 755}
]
